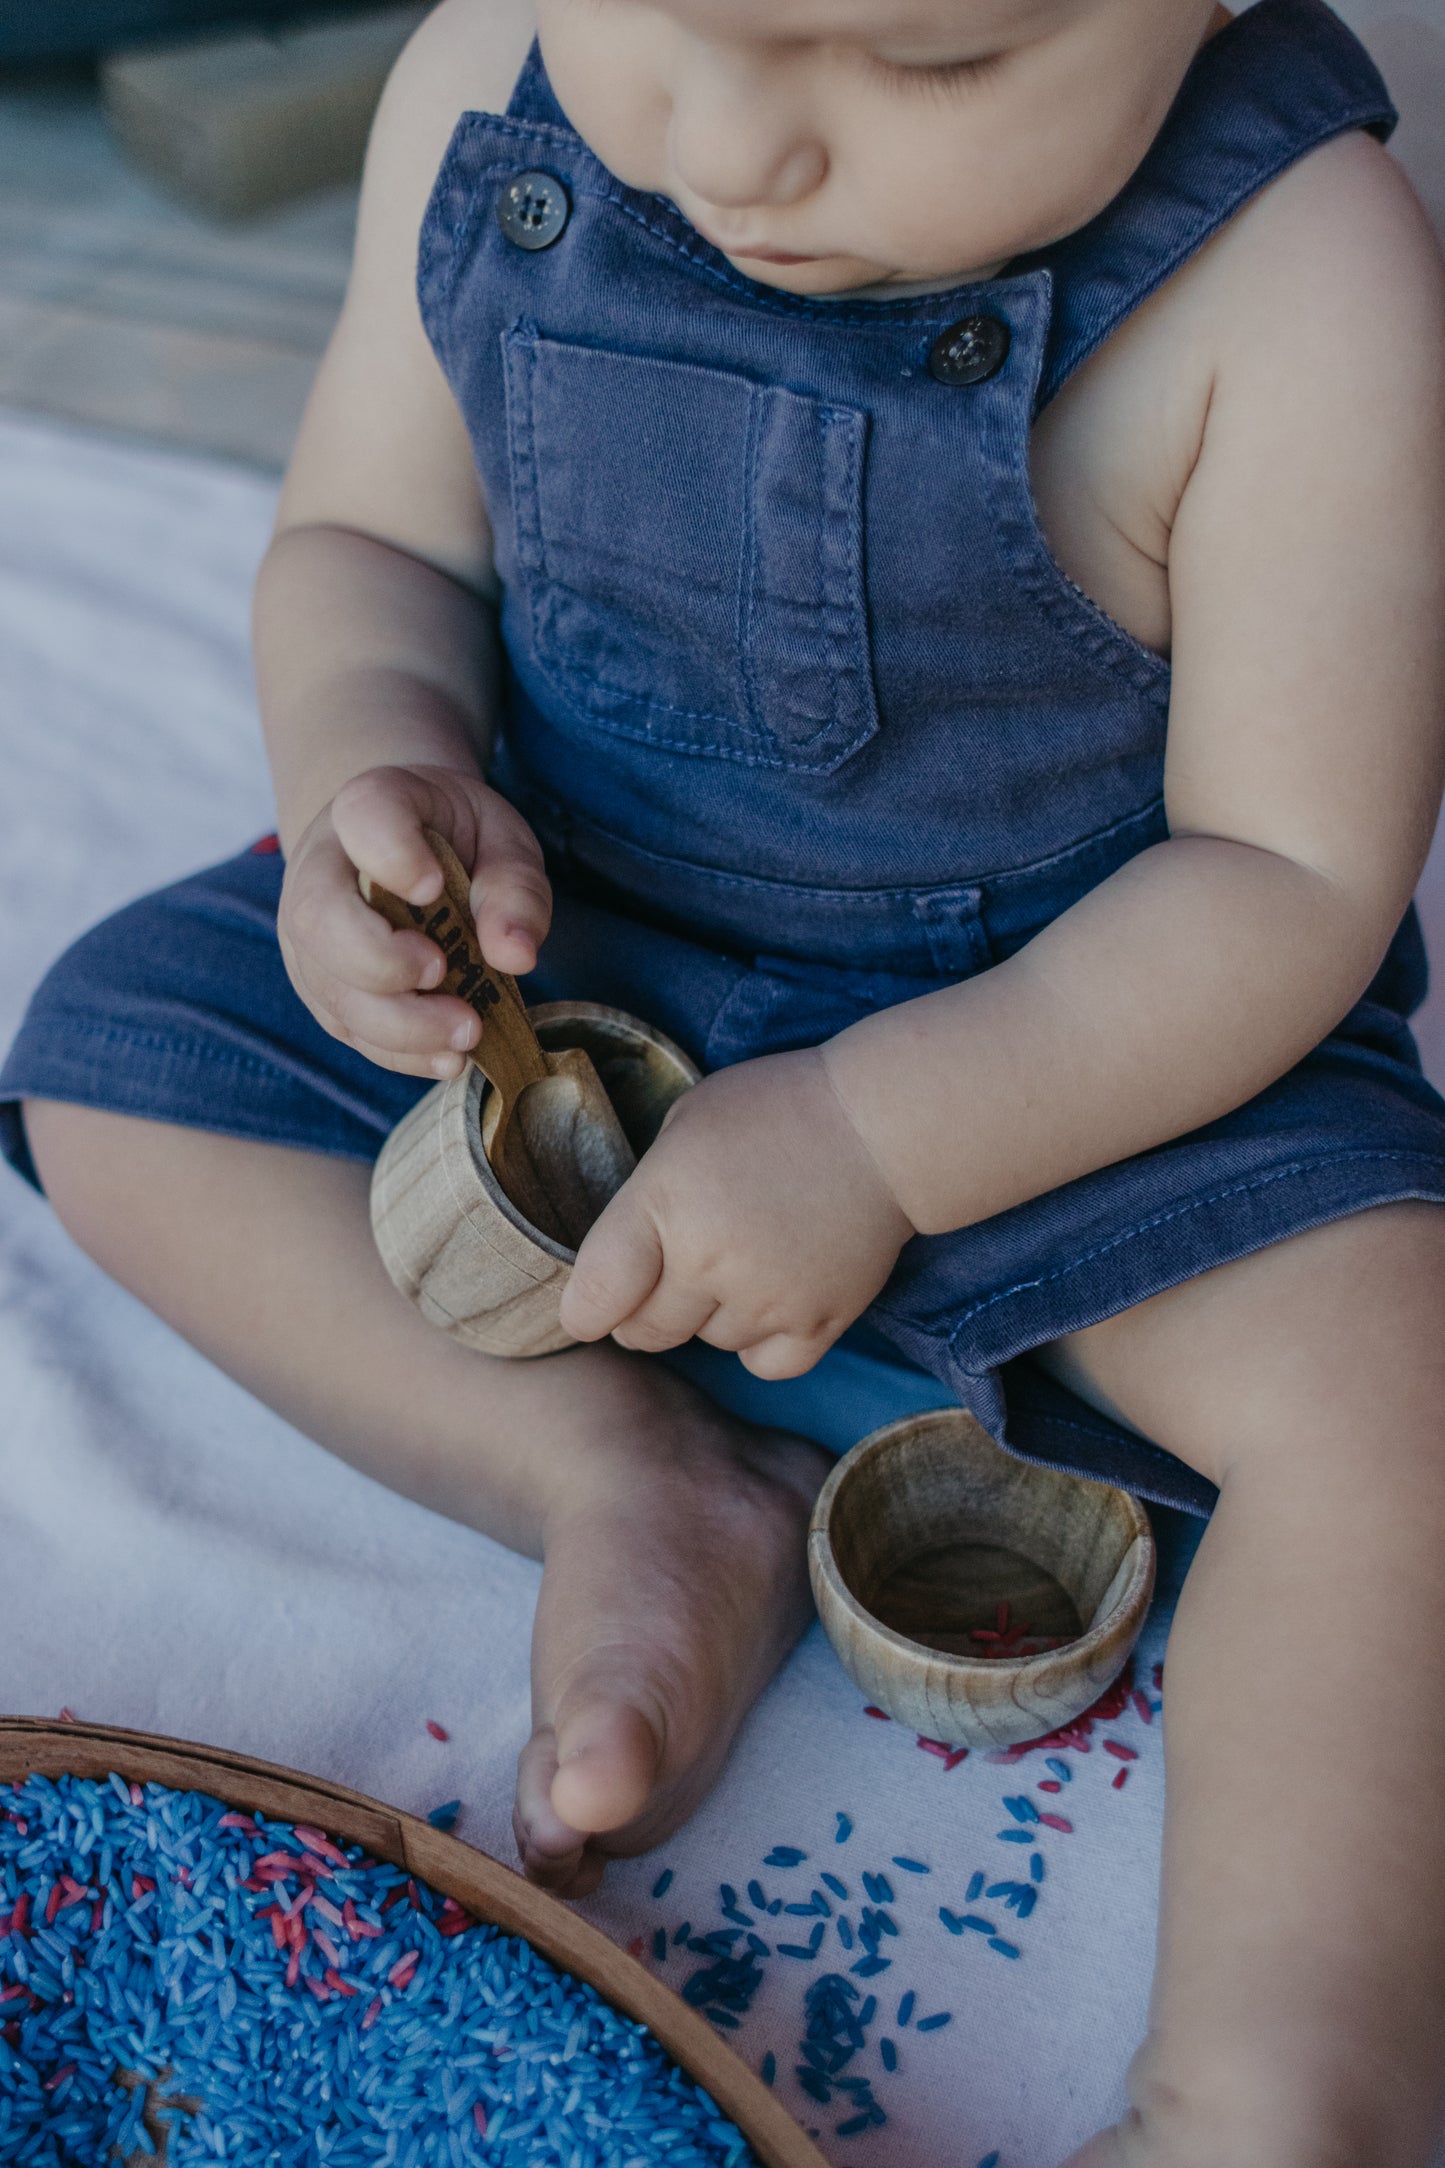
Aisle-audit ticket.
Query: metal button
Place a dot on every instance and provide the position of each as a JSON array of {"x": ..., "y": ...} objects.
[
  {"x": 973, "y": 349},
  {"x": 533, "y": 209}
]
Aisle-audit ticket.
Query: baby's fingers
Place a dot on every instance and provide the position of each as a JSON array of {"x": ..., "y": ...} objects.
[
  {"x": 511, "y": 895},
  {"x": 677, "y": 1310},
  {"x": 783, "y": 1354},
  {"x": 418, "y": 1034},
  {"x": 332, "y": 934},
  {"x": 512, "y": 909},
  {"x": 378, "y": 818},
  {"x": 617, "y": 1267}
]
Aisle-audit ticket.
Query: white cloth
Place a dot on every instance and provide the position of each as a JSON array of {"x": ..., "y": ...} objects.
[{"x": 178, "y": 1559}]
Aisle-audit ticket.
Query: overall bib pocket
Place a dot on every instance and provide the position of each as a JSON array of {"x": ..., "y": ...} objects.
[{"x": 690, "y": 544}]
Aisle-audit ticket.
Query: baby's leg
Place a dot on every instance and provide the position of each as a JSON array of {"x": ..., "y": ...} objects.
[
  {"x": 672, "y": 1535},
  {"x": 1298, "y": 2012}
]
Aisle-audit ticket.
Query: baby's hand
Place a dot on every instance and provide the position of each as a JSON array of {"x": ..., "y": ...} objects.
[
  {"x": 361, "y": 978},
  {"x": 757, "y": 1221}
]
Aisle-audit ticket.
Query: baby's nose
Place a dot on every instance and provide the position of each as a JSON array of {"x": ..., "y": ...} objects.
[{"x": 739, "y": 137}]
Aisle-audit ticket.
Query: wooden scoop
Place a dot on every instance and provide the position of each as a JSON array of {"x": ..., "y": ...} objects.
[{"x": 548, "y": 1127}]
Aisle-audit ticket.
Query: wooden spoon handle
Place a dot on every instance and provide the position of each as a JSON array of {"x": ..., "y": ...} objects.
[{"x": 508, "y": 1054}]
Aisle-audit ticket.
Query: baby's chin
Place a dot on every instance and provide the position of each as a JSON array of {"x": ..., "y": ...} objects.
[{"x": 824, "y": 276}]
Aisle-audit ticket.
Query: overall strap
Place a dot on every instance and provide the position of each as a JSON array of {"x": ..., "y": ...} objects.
[
  {"x": 533, "y": 97},
  {"x": 1279, "y": 80}
]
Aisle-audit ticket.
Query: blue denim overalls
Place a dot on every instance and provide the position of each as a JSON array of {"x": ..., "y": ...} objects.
[{"x": 805, "y": 713}]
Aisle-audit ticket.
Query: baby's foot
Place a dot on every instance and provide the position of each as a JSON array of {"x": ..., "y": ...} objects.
[
  {"x": 1120, "y": 2146},
  {"x": 675, "y": 1581}
]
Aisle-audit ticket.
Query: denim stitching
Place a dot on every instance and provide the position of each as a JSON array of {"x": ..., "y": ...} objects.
[
  {"x": 748, "y": 572},
  {"x": 1099, "y": 1431},
  {"x": 851, "y": 898},
  {"x": 1031, "y": 563},
  {"x": 572, "y": 685},
  {"x": 1195, "y": 1204},
  {"x": 843, "y": 598},
  {"x": 519, "y": 372},
  {"x": 188, "y": 1049}
]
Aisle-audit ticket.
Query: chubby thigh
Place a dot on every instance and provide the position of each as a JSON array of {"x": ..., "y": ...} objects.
[{"x": 1327, "y": 1345}]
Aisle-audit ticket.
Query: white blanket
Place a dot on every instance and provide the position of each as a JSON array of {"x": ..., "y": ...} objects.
[{"x": 178, "y": 1559}]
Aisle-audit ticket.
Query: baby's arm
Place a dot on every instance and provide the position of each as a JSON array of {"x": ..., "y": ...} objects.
[
  {"x": 1305, "y": 749},
  {"x": 1307, "y": 581},
  {"x": 375, "y": 632}
]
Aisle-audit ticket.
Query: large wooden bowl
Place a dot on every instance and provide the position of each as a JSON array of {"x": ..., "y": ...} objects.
[
  {"x": 924, "y": 1529},
  {"x": 29, "y": 1746}
]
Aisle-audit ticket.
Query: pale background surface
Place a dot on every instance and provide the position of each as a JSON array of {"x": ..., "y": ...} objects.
[{"x": 176, "y": 1558}]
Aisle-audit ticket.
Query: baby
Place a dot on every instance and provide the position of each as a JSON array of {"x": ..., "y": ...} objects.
[{"x": 902, "y": 541}]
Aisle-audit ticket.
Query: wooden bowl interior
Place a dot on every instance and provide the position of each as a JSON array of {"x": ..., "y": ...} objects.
[
  {"x": 642, "y": 1071},
  {"x": 485, "y": 1888},
  {"x": 932, "y": 1525}
]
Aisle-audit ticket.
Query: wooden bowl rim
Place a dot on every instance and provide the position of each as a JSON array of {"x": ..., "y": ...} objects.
[
  {"x": 486, "y": 1888},
  {"x": 1073, "y": 1655},
  {"x": 553, "y": 1012},
  {"x": 474, "y": 1098}
]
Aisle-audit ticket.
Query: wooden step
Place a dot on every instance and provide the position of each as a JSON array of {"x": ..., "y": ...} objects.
[{"x": 234, "y": 124}]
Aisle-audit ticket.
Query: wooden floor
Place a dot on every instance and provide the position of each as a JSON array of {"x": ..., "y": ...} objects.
[{"x": 123, "y": 309}]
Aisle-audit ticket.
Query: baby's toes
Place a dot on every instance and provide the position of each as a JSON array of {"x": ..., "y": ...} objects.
[
  {"x": 550, "y": 1850},
  {"x": 593, "y": 1770},
  {"x": 607, "y": 1758}
]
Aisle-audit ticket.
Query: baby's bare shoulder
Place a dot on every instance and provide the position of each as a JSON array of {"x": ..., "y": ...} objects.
[
  {"x": 464, "y": 58},
  {"x": 1332, "y": 269},
  {"x": 382, "y": 448},
  {"x": 1307, "y": 557}
]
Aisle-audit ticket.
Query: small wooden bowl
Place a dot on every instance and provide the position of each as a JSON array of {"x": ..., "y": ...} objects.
[
  {"x": 450, "y": 1237},
  {"x": 918, "y": 1535},
  {"x": 489, "y": 1891}
]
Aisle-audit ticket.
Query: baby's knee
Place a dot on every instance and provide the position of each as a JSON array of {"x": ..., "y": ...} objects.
[
  {"x": 1252, "y": 2102},
  {"x": 1317, "y": 1352}
]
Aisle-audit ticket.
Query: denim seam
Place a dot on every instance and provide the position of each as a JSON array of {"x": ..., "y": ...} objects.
[
  {"x": 574, "y": 687},
  {"x": 1181, "y": 1211},
  {"x": 843, "y": 597},
  {"x": 189, "y": 1049},
  {"x": 847, "y": 898},
  {"x": 748, "y": 689},
  {"x": 1103, "y": 1430},
  {"x": 1029, "y": 561},
  {"x": 519, "y": 369}
]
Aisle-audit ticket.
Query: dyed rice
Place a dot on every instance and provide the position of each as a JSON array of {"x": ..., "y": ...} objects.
[{"x": 270, "y": 1995}]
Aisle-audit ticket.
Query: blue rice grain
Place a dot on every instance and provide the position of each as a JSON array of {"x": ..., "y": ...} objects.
[{"x": 485, "y": 2053}]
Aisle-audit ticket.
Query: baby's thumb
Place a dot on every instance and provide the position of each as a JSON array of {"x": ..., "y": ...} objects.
[
  {"x": 617, "y": 1267},
  {"x": 511, "y": 908}
]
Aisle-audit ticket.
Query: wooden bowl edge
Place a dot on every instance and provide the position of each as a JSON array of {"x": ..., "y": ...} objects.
[{"x": 824, "y": 1569}]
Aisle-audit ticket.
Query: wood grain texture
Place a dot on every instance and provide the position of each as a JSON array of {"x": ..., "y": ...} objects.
[
  {"x": 917, "y": 1535},
  {"x": 487, "y": 1889},
  {"x": 558, "y": 1148},
  {"x": 451, "y": 1238}
]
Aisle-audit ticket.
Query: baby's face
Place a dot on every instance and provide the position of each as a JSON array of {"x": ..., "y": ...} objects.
[{"x": 825, "y": 145}]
